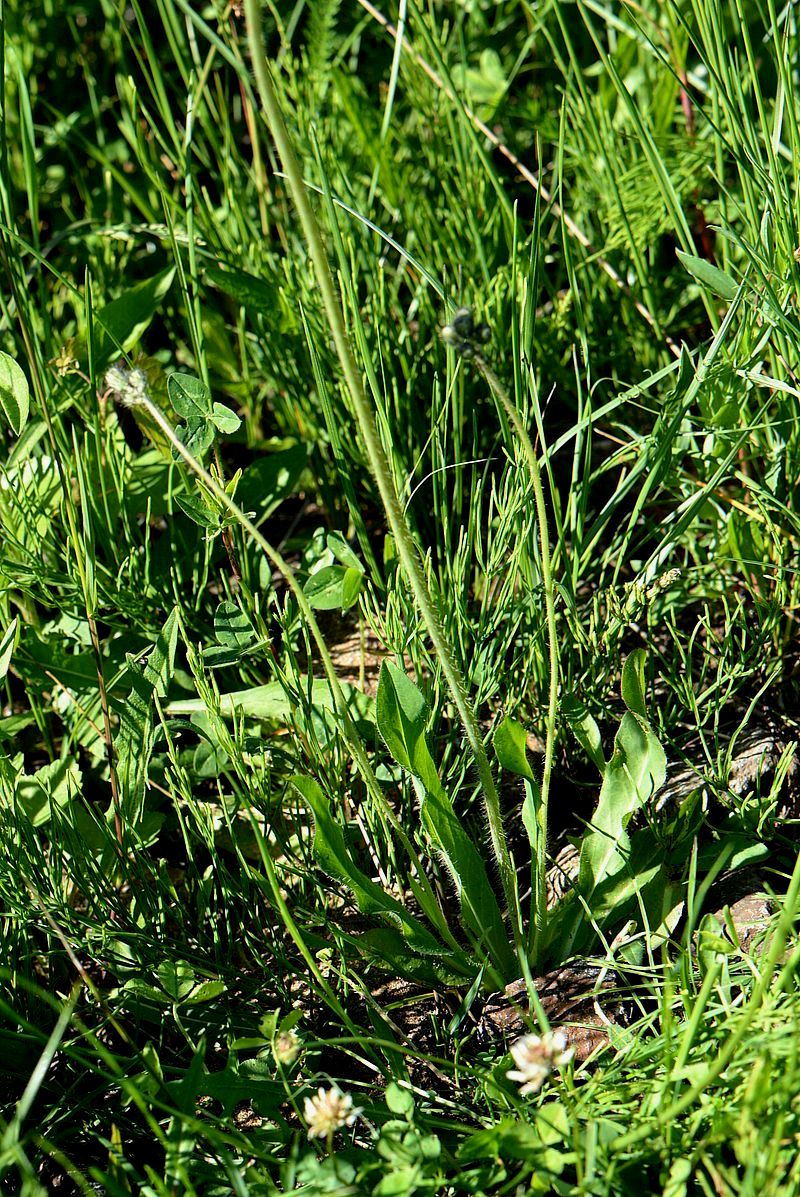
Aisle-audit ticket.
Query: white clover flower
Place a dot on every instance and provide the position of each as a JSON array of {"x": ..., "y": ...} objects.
[
  {"x": 535, "y": 1057},
  {"x": 329, "y": 1111},
  {"x": 287, "y": 1047}
]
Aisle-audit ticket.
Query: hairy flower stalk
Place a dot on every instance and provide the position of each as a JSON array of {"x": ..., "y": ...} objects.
[{"x": 406, "y": 548}]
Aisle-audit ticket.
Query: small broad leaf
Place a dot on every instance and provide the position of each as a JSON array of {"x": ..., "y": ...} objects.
[
  {"x": 208, "y": 760},
  {"x": 205, "y": 992},
  {"x": 177, "y": 978},
  {"x": 351, "y": 587},
  {"x": 510, "y": 747},
  {"x": 506, "y": 1139},
  {"x": 55, "y": 784},
  {"x": 14, "y": 394},
  {"x": 709, "y": 276},
  {"x": 189, "y": 396},
  {"x": 402, "y": 1181},
  {"x": 198, "y": 511},
  {"x": 747, "y": 853},
  {"x": 12, "y": 725},
  {"x": 399, "y": 1101},
  {"x": 342, "y": 551},
  {"x": 333, "y": 588},
  {"x": 232, "y": 627},
  {"x": 254, "y": 1084},
  {"x": 224, "y": 419},
  {"x": 197, "y": 434}
]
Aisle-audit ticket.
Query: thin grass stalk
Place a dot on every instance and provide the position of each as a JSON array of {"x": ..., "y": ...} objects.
[
  {"x": 379, "y": 463},
  {"x": 768, "y": 964},
  {"x": 399, "y": 36},
  {"x": 504, "y": 399}
]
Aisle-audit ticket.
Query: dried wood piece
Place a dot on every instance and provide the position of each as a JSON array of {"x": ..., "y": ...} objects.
[{"x": 578, "y": 998}]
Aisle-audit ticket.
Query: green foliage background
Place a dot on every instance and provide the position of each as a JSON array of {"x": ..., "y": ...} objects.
[{"x": 613, "y": 190}]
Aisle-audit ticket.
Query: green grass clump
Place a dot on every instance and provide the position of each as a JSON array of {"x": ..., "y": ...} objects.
[{"x": 400, "y": 446}]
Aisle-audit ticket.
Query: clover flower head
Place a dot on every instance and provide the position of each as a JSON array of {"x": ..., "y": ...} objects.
[
  {"x": 328, "y": 1111},
  {"x": 535, "y": 1057},
  {"x": 287, "y": 1047}
]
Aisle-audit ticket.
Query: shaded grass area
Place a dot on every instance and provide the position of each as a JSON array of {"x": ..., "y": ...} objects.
[{"x": 235, "y": 867}]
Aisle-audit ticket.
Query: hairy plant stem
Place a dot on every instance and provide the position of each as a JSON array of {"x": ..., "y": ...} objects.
[
  {"x": 539, "y": 928},
  {"x": 381, "y": 469}
]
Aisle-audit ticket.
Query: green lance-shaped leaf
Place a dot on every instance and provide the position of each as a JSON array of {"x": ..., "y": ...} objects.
[
  {"x": 584, "y": 727},
  {"x": 709, "y": 276},
  {"x": 510, "y": 746},
  {"x": 634, "y": 773},
  {"x": 136, "y": 736},
  {"x": 271, "y": 703},
  {"x": 334, "y": 858},
  {"x": 510, "y": 741},
  {"x": 7, "y": 647},
  {"x": 401, "y": 715},
  {"x": 636, "y": 770},
  {"x": 14, "y": 394},
  {"x": 120, "y": 324},
  {"x": 251, "y": 292},
  {"x": 633, "y": 683}
]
